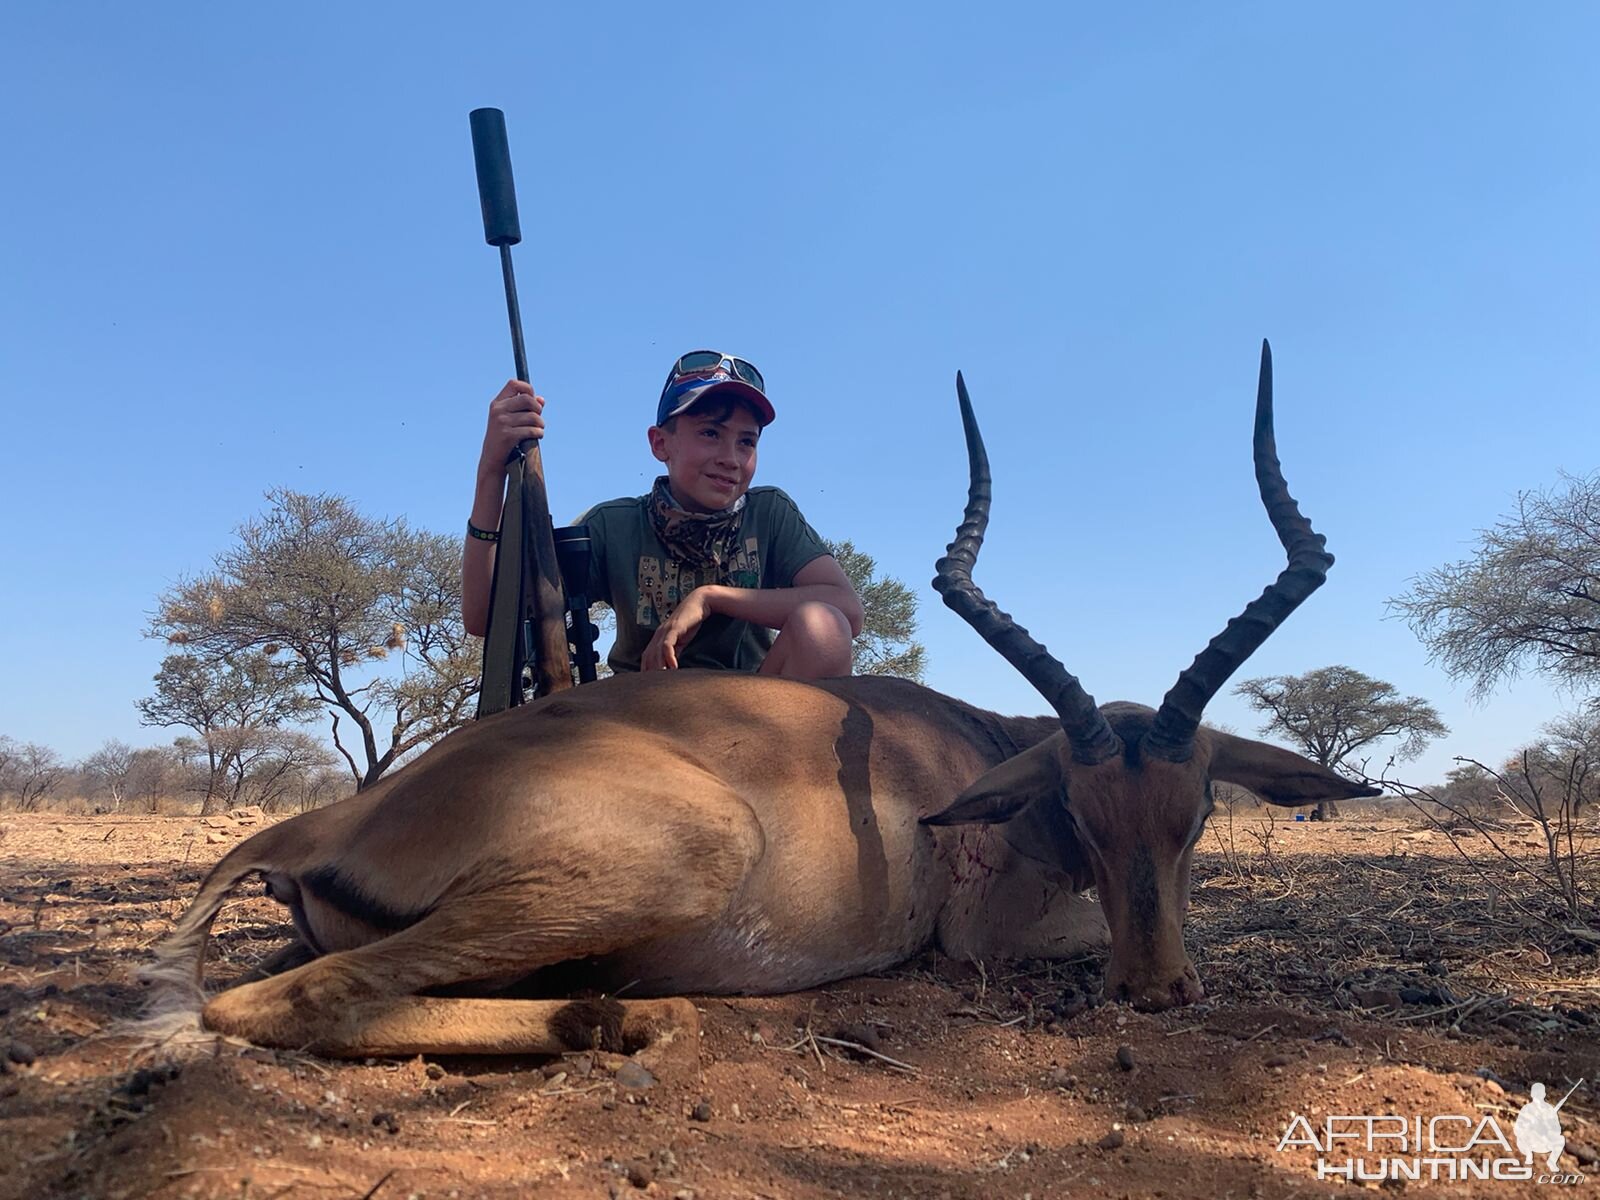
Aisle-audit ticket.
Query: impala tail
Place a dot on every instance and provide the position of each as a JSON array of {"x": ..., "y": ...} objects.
[{"x": 176, "y": 977}]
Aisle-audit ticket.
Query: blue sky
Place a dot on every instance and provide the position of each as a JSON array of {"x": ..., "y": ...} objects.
[{"x": 242, "y": 250}]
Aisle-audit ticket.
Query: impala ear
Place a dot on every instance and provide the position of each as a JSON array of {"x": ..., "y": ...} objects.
[
  {"x": 1002, "y": 792},
  {"x": 1277, "y": 775}
]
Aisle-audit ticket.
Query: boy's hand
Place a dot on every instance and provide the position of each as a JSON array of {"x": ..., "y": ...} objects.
[
  {"x": 674, "y": 633},
  {"x": 515, "y": 415}
]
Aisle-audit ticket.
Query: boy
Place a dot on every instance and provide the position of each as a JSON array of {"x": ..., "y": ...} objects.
[{"x": 704, "y": 571}]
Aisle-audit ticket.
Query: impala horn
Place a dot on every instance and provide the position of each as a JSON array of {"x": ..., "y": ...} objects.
[
  {"x": 1086, "y": 727},
  {"x": 1171, "y": 735}
]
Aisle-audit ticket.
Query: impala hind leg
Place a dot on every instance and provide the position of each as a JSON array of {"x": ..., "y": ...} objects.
[{"x": 364, "y": 1001}]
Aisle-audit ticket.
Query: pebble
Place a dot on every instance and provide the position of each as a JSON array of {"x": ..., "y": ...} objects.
[
  {"x": 861, "y": 1035},
  {"x": 1112, "y": 1140},
  {"x": 140, "y": 1082},
  {"x": 1416, "y": 995},
  {"x": 580, "y": 1066},
  {"x": 21, "y": 1053},
  {"x": 1378, "y": 998},
  {"x": 701, "y": 1111},
  {"x": 634, "y": 1077},
  {"x": 1125, "y": 1057},
  {"x": 640, "y": 1174}
]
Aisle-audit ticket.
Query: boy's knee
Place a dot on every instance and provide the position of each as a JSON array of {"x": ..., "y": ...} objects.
[
  {"x": 820, "y": 623},
  {"x": 816, "y": 642}
]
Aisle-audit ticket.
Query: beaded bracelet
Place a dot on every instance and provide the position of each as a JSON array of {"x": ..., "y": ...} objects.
[{"x": 483, "y": 535}]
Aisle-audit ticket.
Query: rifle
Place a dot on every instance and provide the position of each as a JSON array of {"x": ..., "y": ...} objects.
[
  {"x": 526, "y": 601},
  {"x": 1568, "y": 1096}
]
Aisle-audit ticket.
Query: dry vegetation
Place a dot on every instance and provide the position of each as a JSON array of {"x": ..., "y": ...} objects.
[{"x": 1373, "y": 964}]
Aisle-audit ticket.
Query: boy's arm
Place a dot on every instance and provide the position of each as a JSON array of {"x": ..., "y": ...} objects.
[
  {"x": 477, "y": 559},
  {"x": 515, "y": 415},
  {"x": 820, "y": 579}
]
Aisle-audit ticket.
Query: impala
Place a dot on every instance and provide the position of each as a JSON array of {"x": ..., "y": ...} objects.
[{"x": 710, "y": 832}]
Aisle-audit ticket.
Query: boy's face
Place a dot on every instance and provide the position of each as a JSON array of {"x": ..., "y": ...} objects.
[{"x": 710, "y": 459}]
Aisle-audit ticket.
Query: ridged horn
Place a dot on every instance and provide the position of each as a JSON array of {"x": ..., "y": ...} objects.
[
  {"x": 1171, "y": 735},
  {"x": 1086, "y": 727}
]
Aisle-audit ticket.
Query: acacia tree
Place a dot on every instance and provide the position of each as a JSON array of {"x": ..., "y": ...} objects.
[
  {"x": 1564, "y": 762},
  {"x": 1528, "y": 595},
  {"x": 1330, "y": 713},
  {"x": 331, "y": 594},
  {"x": 887, "y": 644},
  {"x": 277, "y": 766},
  {"x": 231, "y": 701},
  {"x": 1468, "y": 787}
]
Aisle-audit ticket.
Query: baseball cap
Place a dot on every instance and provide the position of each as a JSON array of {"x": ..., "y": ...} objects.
[{"x": 702, "y": 373}]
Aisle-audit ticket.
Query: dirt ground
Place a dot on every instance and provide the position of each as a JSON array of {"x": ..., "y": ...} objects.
[{"x": 1357, "y": 967}]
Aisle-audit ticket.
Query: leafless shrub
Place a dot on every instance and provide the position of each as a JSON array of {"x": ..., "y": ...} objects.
[
  {"x": 1227, "y": 797},
  {"x": 1558, "y": 888},
  {"x": 29, "y": 773},
  {"x": 1275, "y": 863}
]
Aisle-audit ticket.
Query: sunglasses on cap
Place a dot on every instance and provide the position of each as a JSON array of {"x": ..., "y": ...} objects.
[
  {"x": 701, "y": 362},
  {"x": 701, "y": 372}
]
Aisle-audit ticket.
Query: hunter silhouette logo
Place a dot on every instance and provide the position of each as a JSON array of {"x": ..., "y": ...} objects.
[
  {"x": 1379, "y": 1148},
  {"x": 1538, "y": 1127}
]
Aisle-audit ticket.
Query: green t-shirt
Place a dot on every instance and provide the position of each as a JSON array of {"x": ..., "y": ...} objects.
[{"x": 630, "y": 570}]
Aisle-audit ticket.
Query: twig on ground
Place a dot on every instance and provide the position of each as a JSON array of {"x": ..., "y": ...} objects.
[{"x": 860, "y": 1049}]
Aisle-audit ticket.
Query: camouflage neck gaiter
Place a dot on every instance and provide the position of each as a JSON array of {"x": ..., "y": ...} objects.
[{"x": 699, "y": 540}]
